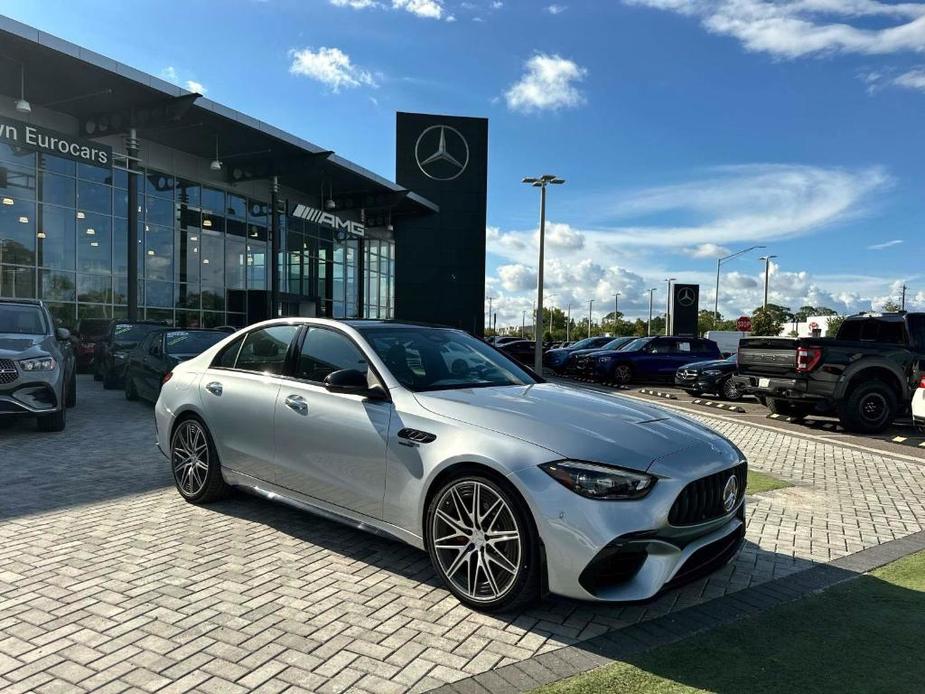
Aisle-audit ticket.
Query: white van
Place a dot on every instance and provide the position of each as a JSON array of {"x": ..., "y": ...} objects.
[
  {"x": 918, "y": 405},
  {"x": 726, "y": 340}
]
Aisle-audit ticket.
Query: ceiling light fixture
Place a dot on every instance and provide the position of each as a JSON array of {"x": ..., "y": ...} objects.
[
  {"x": 216, "y": 164},
  {"x": 40, "y": 235},
  {"x": 81, "y": 215},
  {"x": 91, "y": 231},
  {"x": 22, "y": 106},
  {"x": 8, "y": 201},
  {"x": 24, "y": 220},
  {"x": 206, "y": 223}
]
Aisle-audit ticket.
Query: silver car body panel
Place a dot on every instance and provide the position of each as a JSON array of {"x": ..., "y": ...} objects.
[
  {"x": 20, "y": 391},
  {"x": 344, "y": 459}
]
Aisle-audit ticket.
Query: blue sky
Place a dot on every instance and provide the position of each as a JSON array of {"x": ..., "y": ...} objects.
[{"x": 685, "y": 128}]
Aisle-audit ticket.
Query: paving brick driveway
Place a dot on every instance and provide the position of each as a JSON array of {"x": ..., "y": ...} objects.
[{"x": 110, "y": 582}]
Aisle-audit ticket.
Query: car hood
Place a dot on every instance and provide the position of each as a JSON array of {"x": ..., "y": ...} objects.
[
  {"x": 18, "y": 346},
  {"x": 578, "y": 424},
  {"x": 582, "y": 352},
  {"x": 712, "y": 364}
]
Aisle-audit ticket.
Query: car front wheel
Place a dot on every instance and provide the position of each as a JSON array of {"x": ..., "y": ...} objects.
[
  {"x": 622, "y": 374},
  {"x": 483, "y": 545},
  {"x": 730, "y": 390},
  {"x": 197, "y": 472}
]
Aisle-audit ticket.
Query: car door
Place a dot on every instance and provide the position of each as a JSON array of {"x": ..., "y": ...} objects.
[
  {"x": 331, "y": 446},
  {"x": 238, "y": 394},
  {"x": 152, "y": 366},
  {"x": 683, "y": 353},
  {"x": 650, "y": 362}
]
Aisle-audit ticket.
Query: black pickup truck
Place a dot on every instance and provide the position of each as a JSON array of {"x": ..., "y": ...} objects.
[{"x": 865, "y": 375}]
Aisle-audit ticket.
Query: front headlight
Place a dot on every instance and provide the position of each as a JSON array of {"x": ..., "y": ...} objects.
[
  {"x": 712, "y": 372},
  {"x": 603, "y": 360},
  {"x": 599, "y": 481},
  {"x": 39, "y": 364}
]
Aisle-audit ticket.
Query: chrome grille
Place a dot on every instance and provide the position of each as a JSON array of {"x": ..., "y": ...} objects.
[
  {"x": 8, "y": 372},
  {"x": 687, "y": 375},
  {"x": 702, "y": 500}
]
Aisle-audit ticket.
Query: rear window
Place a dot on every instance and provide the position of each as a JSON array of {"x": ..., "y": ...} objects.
[
  {"x": 133, "y": 333},
  {"x": 873, "y": 330},
  {"x": 191, "y": 341}
]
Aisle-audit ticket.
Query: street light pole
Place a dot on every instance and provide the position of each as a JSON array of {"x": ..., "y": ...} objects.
[
  {"x": 568, "y": 322},
  {"x": 669, "y": 280},
  {"x": 720, "y": 261},
  {"x": 490, "y": 299},
  {"x": 767, "y": 276},
  {"x": 541, "y": 183},
  {"x": 590, "y": 304},
  {"x": 523, "y": 323},
  {"x": 649, "y": 324},
  {"x": 616, "y": 310}
]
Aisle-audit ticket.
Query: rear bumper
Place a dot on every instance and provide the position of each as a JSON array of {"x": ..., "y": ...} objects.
[{"x": 784, "y": 388}]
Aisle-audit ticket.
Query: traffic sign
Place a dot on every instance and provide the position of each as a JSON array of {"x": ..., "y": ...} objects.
[{"x": 744, "y": 324}]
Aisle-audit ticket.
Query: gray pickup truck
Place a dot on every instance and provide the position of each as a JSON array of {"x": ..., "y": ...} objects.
[{"x": 37, "y": 365}]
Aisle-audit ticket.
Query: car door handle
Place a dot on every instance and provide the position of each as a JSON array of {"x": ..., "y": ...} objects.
[
  {"x": 297, "y": 404},
  {"x": 214, "y": 387}
]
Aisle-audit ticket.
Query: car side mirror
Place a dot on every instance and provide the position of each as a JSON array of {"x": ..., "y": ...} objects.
[
  {"x": 62, "y": 333},
  {"x": 349, "y": 381}
]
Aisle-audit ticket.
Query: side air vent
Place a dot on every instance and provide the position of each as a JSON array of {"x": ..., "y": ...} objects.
[{"x": 416, "y": 436}]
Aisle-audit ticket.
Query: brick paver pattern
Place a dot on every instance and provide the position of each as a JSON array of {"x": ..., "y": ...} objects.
[{"x": 110, "y": 582}]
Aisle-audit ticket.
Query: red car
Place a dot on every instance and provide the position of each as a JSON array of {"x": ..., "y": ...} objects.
[{"x": 89, "y": 331}]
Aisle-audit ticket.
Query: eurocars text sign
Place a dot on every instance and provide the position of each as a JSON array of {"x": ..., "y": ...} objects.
[{"x": 33, "y": 137}]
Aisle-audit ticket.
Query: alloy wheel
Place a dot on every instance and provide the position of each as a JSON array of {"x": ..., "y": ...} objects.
[
  {"x": 731, "y": 390},
  {"x": 623, "y": 374},
  {"x": 477, "y": 540},
  {"x": 190, "y": 457},
  {"x": 873, "y": 408}
]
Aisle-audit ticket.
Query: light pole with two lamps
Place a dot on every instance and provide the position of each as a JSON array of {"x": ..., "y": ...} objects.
[
  {"x": 720, "y": 261},
  {"x": 669, "y": 280},
  {"x": 541, "y": 183}
]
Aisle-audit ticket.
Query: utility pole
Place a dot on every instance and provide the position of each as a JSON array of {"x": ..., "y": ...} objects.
[
  {"x": 903, "y": 302},
  {"x": 568, "y": 322},
  {"x": 590, "y": 304},
  {"x": 523, "y": 324},
  {"x": 494, "y": 323},
  {"x": 767, "y": 276},
  {"x": 669, "y": 280},
  {"x": 490, "y": 299},
  {"x": 649, "y": 324}
]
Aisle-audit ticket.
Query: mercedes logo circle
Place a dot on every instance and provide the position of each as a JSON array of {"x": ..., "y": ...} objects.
[
  {"x": 687, "y": 296},
  {"x": 441, "y": 153},
  {"x": 730, "y": 493}
]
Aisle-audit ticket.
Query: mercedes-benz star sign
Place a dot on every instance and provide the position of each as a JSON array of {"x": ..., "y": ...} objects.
[
  {"x": 514, "y": 486},
  {"x": 441, "y": 152}
]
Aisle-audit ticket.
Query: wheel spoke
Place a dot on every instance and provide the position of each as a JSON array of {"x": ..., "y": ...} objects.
[
  {"x": 453, "y": 523},
  {"x": 486, "y": 569},
  {"x": 493, "y": 555},
  {"x": 463, "y": 555}
]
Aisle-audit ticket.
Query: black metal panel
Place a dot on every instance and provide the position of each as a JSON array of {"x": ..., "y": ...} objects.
[
  {"x": 702, "y": 500},
  {"x": 440, "y": 258}
]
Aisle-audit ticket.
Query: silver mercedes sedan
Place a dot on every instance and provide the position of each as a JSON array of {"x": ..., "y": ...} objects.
[{"x": 514, "y": 486}]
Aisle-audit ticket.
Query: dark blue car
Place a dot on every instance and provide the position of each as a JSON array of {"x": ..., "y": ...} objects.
[
  {"x": 651, "y": 359},
  {"x": 555, "y": 358},
  {"x": 578, "y": 363}
]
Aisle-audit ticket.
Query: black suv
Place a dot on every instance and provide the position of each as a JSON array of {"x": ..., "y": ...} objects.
[
  {"x": 37, "y": 364},
  {"x": 112, "y": 351}
]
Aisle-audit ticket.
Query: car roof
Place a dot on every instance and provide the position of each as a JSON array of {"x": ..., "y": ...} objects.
[{"x": 26, "y": 302}]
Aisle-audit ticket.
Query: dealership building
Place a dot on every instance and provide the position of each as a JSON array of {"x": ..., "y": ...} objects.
[{"x": 122, "y": 195}]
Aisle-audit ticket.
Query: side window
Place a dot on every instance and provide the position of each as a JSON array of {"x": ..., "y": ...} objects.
[
  {"x": 661, "y": 347},
  {"x": 154, "y": 345},
  {"x": 229, "y": 354},
  {"x": 683, "y": 346},
  {"x": 265, "y": 350},
  {"x": 325, "y": 351}
]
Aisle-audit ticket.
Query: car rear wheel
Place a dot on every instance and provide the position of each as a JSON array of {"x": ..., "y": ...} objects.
[
  {"x": 131, "y": 391},
  {"x": 787, "y": 409},
  {"x": 868, "y": 409},
  {"x": 730, "y": 390},
  {"x": 196, "y": 469},
  {"x": 483, "y": 544},
  {"x": 622, "y": 374}
]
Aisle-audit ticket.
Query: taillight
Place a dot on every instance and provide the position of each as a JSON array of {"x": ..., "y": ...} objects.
[
  {"x": 808, "y": 358},
  {"x": 922, "y": 381},
  {"x": 167, "y": 377}
]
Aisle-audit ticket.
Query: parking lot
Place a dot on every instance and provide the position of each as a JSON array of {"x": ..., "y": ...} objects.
[{"x": 109, "y": 581}]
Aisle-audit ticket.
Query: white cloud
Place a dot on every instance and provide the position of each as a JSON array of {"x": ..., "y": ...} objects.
[
  {"x": 548, "y": 84},
  {"x": 913, "y": 79},
  {"x": 887, "y": 77},
  {"x": 517, "y": 278},
  {"x": 355, "y": 4},
  {"x": 330, "y": 66},
  {"x": 707, "y": 250},
  {"x": 796, "y": 28},
  {"x": 885, "y": 244},
  {"x": 563, "y": 236},
  {"x": 171, "y": 74},
  {"x": 428, "y": 9},
  {"x": 556, "y": 9}
]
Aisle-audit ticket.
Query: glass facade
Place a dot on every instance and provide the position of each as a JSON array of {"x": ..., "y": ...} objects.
[{"x": 63, "y": 239}]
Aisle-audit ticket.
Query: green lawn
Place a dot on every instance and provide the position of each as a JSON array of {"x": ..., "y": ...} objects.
[
  {"x": 760, "y": 482},
  {"x": 867, "y": 635}
]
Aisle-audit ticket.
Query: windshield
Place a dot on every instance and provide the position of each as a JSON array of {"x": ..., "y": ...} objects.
[
  {"x": 22, "y": 320},
  {"x": 423, "y": 359},
  {"x": 191, "y": 341},
  {"x": 637, "y": 344},
  {"x": 732, "y": 358},
  {"x": 586, "y": 343},
  {"x": 133, "y": 333},
  {"x": 619, "y": 343}
]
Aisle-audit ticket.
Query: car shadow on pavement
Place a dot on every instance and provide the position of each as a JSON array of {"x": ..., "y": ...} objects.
[{"x": 562, "y": 620}]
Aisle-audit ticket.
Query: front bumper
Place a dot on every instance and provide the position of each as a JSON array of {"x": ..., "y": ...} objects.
[
  {"x": 32, "y": 394},
  {"x": 624, "y": 551},
  {"x": 699, "y": 384}
]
